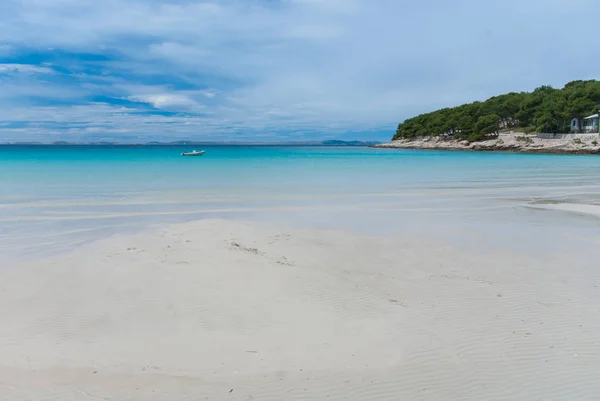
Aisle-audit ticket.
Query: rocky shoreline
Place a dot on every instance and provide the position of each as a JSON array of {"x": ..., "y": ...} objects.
[{"x": 514, "y": 142}]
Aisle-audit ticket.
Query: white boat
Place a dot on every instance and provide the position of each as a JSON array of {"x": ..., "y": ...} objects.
[{"x": 193, "y": 153}]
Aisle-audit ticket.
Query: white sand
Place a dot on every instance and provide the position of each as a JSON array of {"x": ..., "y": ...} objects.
[{"x": 221, "y": 310}]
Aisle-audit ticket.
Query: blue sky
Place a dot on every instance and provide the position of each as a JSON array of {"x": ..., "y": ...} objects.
[{"x": 268, "y": 70}]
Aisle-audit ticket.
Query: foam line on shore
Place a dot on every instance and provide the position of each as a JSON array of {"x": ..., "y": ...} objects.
[{"x": 578, "y": 208}]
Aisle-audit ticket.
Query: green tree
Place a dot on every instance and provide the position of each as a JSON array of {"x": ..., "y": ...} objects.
[
  {"x": 487, "y": 124},
  {"x": 546, "y": 108}
]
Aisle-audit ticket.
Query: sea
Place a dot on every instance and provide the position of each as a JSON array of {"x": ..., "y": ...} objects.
[{"x": 55, "y": 198}]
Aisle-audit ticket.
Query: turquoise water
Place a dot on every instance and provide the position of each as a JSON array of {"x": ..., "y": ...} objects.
[{"x": 54, "y": 198}]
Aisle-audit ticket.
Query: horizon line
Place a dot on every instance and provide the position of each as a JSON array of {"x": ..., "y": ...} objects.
[{"x": 189, "y": 143}]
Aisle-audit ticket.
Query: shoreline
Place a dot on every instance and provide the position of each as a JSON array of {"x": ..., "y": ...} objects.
[{"x": 511, "y": 143}]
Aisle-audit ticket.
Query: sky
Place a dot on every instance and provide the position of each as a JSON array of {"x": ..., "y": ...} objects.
[{"x": 273, "y": 70}]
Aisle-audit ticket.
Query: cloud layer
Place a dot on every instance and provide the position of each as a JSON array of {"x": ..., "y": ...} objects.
[{"x": 272, "y": 69}]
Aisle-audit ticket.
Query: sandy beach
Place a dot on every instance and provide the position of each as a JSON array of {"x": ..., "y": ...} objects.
[
  {"x": 395, "y": 200},
  {"x": 224, "y": 310}
]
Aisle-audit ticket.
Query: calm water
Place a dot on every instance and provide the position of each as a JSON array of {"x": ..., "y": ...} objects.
[{"x": 53, "y": 198}]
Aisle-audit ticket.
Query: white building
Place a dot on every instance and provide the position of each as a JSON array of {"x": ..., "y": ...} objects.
[
  {"x": 587, "y": 124},
  {"x": 575, "y": 124},
  {"x": 591, "y": 123}
]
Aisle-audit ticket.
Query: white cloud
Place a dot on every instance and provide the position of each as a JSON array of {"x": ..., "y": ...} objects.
[
  {"x": 209, "y": 93},
  {"x": 329, "y": 65},
  {"x": 164, "y": 100},
  {"x": 24, "y": 68},
  {"x": 5, "y": 50}
]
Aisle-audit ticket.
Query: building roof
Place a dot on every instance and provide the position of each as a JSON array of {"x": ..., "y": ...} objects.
[{"x": 591, "y": 117}]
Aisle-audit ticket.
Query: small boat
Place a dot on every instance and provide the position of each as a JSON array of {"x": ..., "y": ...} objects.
[{"x": 193, "y": 153}]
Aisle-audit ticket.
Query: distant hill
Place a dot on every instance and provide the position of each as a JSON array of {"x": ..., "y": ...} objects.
[
  {"x": 349, "y": 143},
  {"x": 544, "y": 110},
  {"x": 297, "y": 143}
]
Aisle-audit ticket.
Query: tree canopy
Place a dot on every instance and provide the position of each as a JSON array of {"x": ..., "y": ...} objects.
[{"x": 544, "y": 110}]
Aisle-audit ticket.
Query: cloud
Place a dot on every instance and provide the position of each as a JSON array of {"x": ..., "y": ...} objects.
[
  {"x": 164, "y": 100},
  {"x": 231, "y": 68},
  {"x": 24, "y": 68}
]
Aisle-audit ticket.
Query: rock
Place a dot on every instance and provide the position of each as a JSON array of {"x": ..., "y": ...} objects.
[{"x": 510, "y": 143}]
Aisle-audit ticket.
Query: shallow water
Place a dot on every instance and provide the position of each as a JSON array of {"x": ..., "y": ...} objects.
[{"x": 54, "y": 198}]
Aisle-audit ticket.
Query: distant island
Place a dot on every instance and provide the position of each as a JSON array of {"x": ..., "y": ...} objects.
[{"x": 332, "y": 142}]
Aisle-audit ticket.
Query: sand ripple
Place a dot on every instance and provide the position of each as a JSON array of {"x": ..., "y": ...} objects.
[{"x": 221, "y": 310}]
